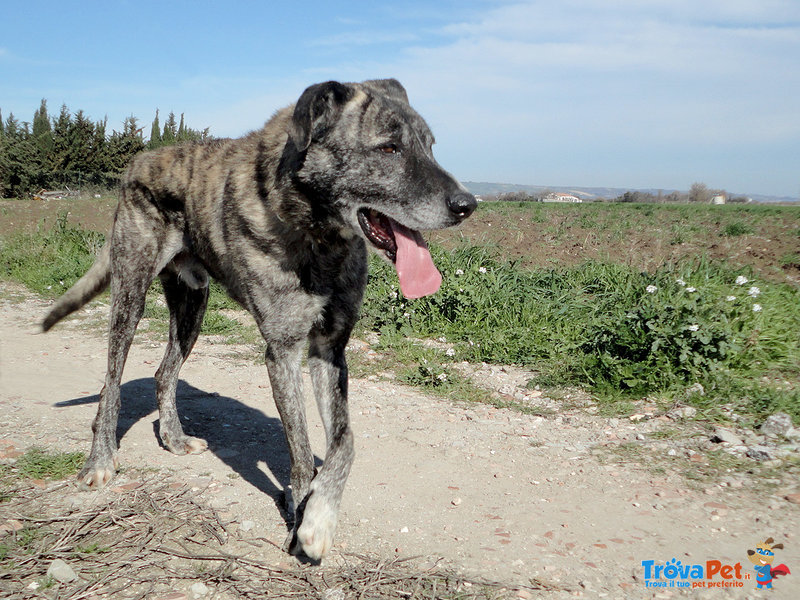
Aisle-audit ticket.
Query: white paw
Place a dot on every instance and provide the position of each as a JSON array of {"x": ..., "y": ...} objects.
[
  {"x": 194, "y": 445},
  {"x": 315, "y": 534},
  {"x": 98, "y": 475}
]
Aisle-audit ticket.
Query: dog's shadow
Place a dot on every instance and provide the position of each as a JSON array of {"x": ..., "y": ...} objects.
[{"x": 239, "y": 435}]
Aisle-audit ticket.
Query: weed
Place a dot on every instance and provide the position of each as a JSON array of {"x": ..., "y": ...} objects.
[
  {"x": 607, "y": 327},
  {"x": 736, "y": 228},
  {"x": 40, "y": 464},
  {"x": 91, "y": 548},
  {"x": 49, "y": 262}
]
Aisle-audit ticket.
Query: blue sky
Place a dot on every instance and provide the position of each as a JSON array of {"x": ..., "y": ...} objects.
[{"x": 635, "y": 94}]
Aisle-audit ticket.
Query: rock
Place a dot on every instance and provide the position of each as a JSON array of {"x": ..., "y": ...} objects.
[
  {"x": 684, "y": 412},
  {"x": 793, "y": 498},
  {"x": 199, "y": 589},
  {"x": 248, "y": 525},
  {"x": 759, "y": 453},
  {"x": 61, "y": 571},
  {"x": 777, "y": 424},
  {"x": 695, "y": 388},
  {"x": 725, "y": 436}
]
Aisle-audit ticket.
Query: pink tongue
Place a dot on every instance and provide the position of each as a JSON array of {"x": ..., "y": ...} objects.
[{"x": 418, "y": 275}]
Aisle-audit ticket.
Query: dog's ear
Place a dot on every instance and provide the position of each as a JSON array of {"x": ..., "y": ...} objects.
[
  {"x": 316, "y": 109},
  {"x": 779, "y": 546},
  {"x": 389, "y": 87},
  {"x": 768, "y": 541}
]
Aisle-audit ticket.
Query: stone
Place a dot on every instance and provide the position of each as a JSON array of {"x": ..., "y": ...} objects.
[
  {"x": 61, "y": 571},
  {"x": 248, "y": 525},
  {"x": 759, "y": 452},
  {"x": 199, "y": 589},
  {"x": 725, "y": 436},
  {"x": 778, "y": 424},
  {"x": 684, "y": 412},
  {"x": 793, "y": 498}
]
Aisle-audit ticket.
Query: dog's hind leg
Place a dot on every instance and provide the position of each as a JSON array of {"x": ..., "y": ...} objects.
[
  {"x": 133, "y": 266},
  {"x": 187, "y": 304}
]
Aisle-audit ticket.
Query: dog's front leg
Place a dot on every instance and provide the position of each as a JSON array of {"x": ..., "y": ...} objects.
[
  {"x": 283, "y": 364},
  {"x": 326, "y": 361}
]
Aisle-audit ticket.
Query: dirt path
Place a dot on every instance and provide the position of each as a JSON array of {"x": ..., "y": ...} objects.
[{"x": 495, "y": 493}]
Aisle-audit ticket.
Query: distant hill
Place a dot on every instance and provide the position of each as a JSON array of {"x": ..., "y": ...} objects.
[{"x": 482, "y": 188}]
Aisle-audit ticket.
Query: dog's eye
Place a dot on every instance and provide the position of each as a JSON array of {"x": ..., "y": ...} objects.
[{"x": 389, "y": 149}]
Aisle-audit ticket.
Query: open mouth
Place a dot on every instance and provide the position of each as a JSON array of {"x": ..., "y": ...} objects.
[
  {"x": 379, "y": 231},
  {"x": 406, "y": 248}
]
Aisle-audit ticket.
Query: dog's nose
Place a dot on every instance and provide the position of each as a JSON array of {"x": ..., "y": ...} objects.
[{"x": 462, "y": 204}]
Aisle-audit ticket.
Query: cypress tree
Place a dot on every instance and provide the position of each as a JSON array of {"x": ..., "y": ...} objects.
[
  {"x": 41, "y": 122},
  {"x": 182, "y": 133},
  {"x": 155, "y": 134},
  {"x": 170, "y": 130}
]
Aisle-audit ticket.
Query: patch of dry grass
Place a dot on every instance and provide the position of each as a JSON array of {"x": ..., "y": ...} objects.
[{"x": 160, "y": 538}]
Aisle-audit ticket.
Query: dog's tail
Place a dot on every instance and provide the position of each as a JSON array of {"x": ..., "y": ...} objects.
[{"x": 87, "y": 287}]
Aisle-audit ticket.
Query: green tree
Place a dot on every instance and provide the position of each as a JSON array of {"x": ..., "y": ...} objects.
[
  {"x": 170, "y": 134},
  {"x": 155, "y": 134},
  {"x": 182, "y": 133},
  {"x": 41, "y": 122},
  {"x": 62, "y": 125},
  {"x": 19, "y": 172},
  {"x": 124, "y": 145}
]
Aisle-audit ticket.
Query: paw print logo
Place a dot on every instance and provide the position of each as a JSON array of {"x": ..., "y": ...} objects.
[{"x": 672, "y": 569}]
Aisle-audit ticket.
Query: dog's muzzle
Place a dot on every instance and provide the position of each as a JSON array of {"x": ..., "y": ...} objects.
[{"x": 462, "y": 204}]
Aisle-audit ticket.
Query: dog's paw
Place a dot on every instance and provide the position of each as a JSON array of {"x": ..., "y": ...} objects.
[
  {"x": 183, "y": 444},
  {"x": 193, "y": 445},
  {"x": 96, "y": 474},
  {"x": 315, "y": 533}
]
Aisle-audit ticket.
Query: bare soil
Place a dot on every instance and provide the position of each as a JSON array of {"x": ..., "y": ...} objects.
[{"x": 558, "y": 500}]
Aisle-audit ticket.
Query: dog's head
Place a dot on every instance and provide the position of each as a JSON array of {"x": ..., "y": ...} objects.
[
  {"x": 764, "y": 553},
  {"x": 363, "y": 152}
]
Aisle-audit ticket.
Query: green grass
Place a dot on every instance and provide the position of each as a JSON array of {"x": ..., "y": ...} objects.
[
  {"x": 596, "y": 325},
  {"x": 40, "y": 464},
  {"x": 49, "y": 261},
  {"x": 737, "y": 228}
]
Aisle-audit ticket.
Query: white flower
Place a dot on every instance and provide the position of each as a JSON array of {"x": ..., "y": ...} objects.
[
  {"x": 730, "y": 298},
  {"x": 691, "y": 289},
  {"x": 753, "y": 291},
  {"x": 482, "y": 270},
  {"x": 459, "y": 272},
  {"x": 756, "y": 308},
  {"x": 681, "y": 282},
  {"x": 741, "y": 280},
  {"x": 651, "y": 289},
  {"x": 694, "y": 327},
  {"x": 450, "y": 352},
  {"x": 393, "y": 295},
  {"x": 442, "y": 377}
]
